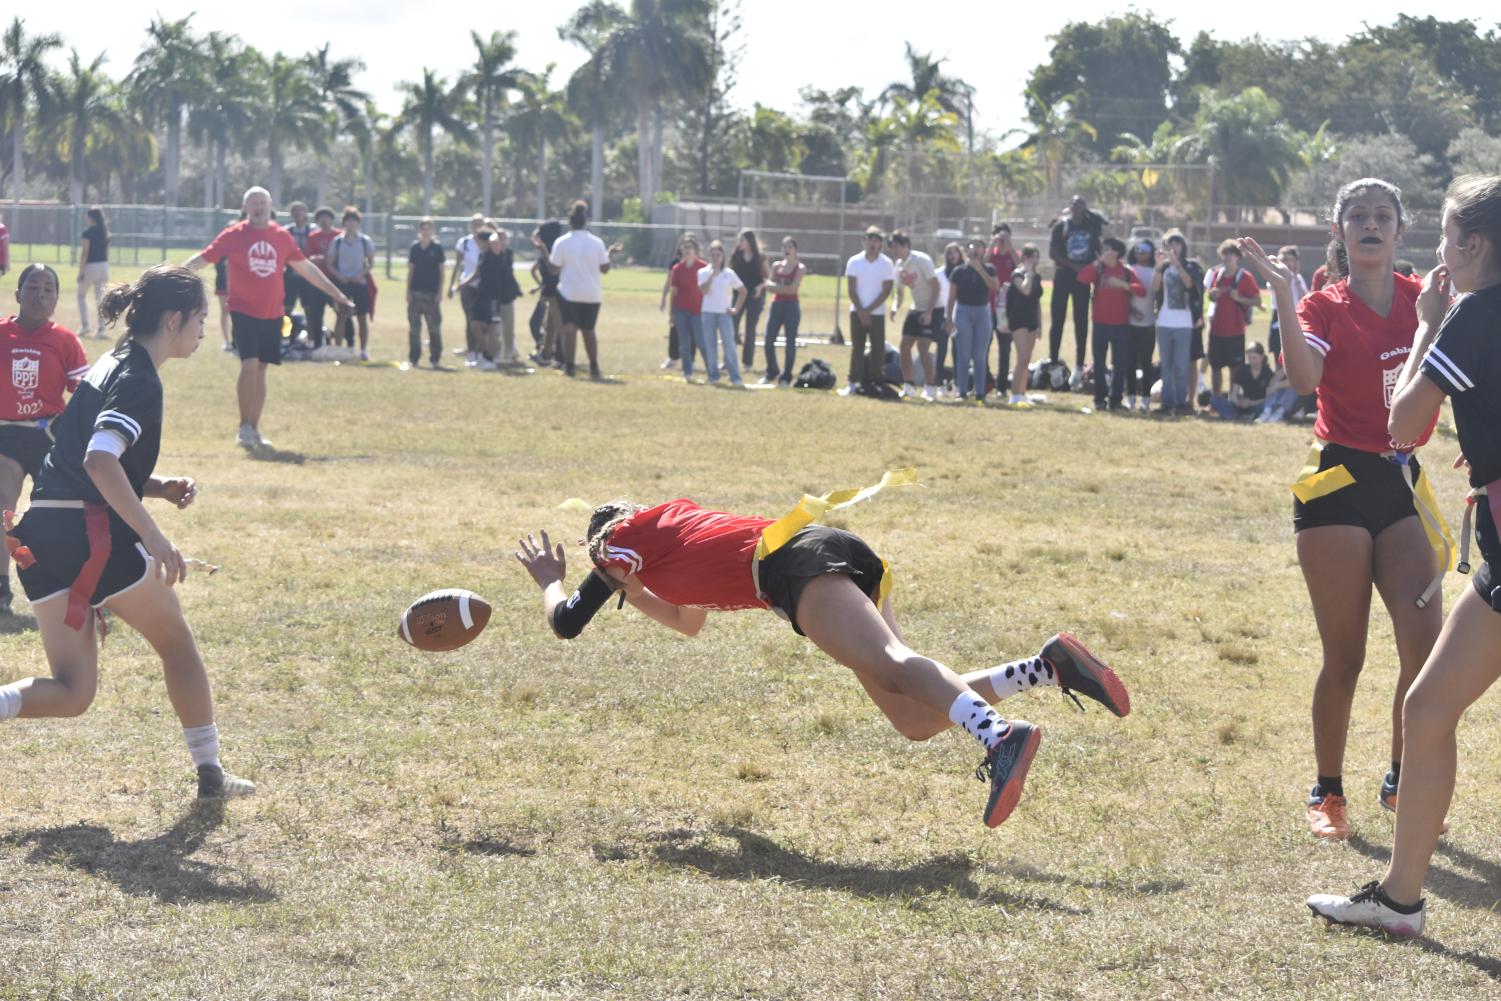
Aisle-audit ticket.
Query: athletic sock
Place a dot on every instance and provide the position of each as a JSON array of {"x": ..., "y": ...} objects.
[
  {"x": 1329, "y": 785},
  {"x": 203, "y": 743},
  {"x": 1386, "y": 901},
  {"x": 982, "y": 722},
  {"x": 1020, "y": 675},
  {"x": 10, "y": 700},
  {"x": 1395, "y": 773}
]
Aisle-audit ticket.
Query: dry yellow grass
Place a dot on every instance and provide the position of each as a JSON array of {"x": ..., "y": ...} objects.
[{"x": 637, "y": 815}]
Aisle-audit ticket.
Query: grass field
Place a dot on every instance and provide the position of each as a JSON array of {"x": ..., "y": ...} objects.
[{"x": 637, "y": 815}]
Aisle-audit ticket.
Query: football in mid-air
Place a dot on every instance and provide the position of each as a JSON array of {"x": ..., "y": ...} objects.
[{"x": 444, "y": 620}]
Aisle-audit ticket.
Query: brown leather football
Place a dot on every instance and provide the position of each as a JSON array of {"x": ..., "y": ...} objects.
[{"x": 444, "y": 620}]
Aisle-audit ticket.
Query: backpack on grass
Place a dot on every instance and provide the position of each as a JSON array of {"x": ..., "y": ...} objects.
[{"x": 816, "y": 374}]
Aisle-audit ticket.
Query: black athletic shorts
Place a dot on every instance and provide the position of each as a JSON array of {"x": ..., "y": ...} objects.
[
  {"x": 1227, "y": 351},
  {"x": 358, "y": 293},
  {"x": 813, "y": 552},
  {"x": 1486, "y": 540},
  {"x": 1195, "y": 352},
  {"x": 583, "y": 315},
  {"x": 913, "y": 326},
  {"x": 1378, "y": 499},
  {"x": 467, "y": 296},
  {"x": 59, "y": 540},
  {"x": 485, "y": 311},
  {"x": 28, "y": 446},
  {"x": 256, "y": 338}
]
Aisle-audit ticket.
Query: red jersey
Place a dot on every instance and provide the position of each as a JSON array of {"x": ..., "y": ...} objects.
[
  {"x": 1004, "y": 262},
  {"x": 1229, "y": 316},
  {"x": 317, "y": 245},
  {"x": 690, "y": 556},
  {"x": 257, "y": 258},
  {"x": 1363, "y": 355},
  {"x": 685, "y": 291},
  {"x": 44, "y": 363},
  {"x": 1112, "y": 305}
]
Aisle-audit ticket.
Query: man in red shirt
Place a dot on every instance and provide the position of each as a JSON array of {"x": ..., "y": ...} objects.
[
  {"x": 1232, "y": 293},
  {"x": 1115, "y": 284},
  {"x": 687, "y": 304},
  {"x": 258, "y": 251},
  {"x": 322, "y": 235}
]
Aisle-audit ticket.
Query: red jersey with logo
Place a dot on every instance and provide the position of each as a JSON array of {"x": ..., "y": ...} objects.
[
  {"x": 1229, "y": 319},
  {"x": 43, "y": 364},
  {"x": 1112, "y": 305},
  {"x": 1363, "y": 354},
  {"x": 690, "y": 556},
  {"x": 256, "y": 259}
]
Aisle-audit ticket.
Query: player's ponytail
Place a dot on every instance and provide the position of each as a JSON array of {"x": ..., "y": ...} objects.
[
  {"x": 603, "y": 521},
  {"x": 1475, "y": 206},
  {"x": 161, "y": 290}
]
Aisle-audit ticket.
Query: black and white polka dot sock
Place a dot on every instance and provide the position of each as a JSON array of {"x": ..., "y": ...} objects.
[
  {"x": 1020, "y": 675},
  {"x": 982, "y": 722}
]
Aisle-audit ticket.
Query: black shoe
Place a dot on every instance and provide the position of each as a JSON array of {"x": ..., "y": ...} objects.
[
  {"x": 1005, "y": 767},
  {"x": 596, "y": 374},
  {"x": 569, "y": 371},
  {"x": 215, "y": 783},
  {"x": 1080, "y": 671}
]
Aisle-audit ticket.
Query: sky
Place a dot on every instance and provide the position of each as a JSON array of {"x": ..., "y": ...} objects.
[{"x": 787, "y": 45}]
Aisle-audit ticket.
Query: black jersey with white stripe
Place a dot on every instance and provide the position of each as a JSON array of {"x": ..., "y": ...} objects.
[
  {"x": 1465, "y": 362},
  {"x": 121, "y": 393}
]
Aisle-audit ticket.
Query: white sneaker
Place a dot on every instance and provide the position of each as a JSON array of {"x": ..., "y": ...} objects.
[
  {"x": 471, "y": 360},
  {"x": 928, "y": 394},
  {"x": 262, "y": 440},
  {"x": 1370, "y": 908},
  {"x": 364, "y": 356},
  {"x": 908, "y": 390},
  {"x": 849, "y": 387},
  {"x": 247, "y": 438},
  {"x": 486, "y": 365},
  {"x": 1131, "y": 404}
]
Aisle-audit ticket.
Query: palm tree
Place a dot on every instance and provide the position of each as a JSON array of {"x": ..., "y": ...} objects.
[
  {"x": 539, "y": 117},
  {"x": 491, "y": 77},
  {"x": 591, "y": 89},
  {"x": 168, "y": 75},
  {"x": 951, "y": 94},
  {"x": 365, "y": 128},
  {"x": 1052, "y": 131},
  {"x": 225, "y": 113},
  {"x": 430, "y": 105},
  {"x": 661, "y": 50},
  {"x": 23, "y": 80},
  {"x": 290, "y": 114},
  {"x": 343, "y": 103},
  {"x": 84, "y": 116}
]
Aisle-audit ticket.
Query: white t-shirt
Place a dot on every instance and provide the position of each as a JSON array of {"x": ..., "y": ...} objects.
[
  {"x": 1174, "y": 312},
  {"x": 868, "y": 277},
  {"x": 917, "y": 274},
  {"x": 720, "y": 294},
  {"x": 469, "y": 247},
  {"x": 578, "y": 255}
]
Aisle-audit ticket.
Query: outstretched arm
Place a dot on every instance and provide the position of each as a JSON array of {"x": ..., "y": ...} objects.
[
  {"x": 1305, "y": 366},
  {"x": 568, "y": 614}
]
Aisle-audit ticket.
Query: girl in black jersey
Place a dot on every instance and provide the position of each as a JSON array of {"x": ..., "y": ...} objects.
[
  {"x": 1455, "y": 354},
  {"x": 87, "y": 541}
]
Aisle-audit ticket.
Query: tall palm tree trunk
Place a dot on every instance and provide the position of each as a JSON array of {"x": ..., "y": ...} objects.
[
  {"x": 208, "y": 175},
  {"x": 15, "y": 158},
  {"x": 75, "y": 166},
  {"x": 656, "y": 152},
  {"x": 643, "y": 155},
  {"x": 542, "y": 177},
  {"x": 427, "y": 175},
  {"x": 487, "y": 151},
  {"x": 174, "y": 155},
  {"x": 220, "y": 152},
  {"x": 368, "y": 182},
  {"x": 597, "y": 172}
]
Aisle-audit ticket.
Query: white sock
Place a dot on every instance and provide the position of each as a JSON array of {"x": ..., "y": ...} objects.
[
  {"x": 10, "y": 701},
  {"x": 982, "y": 722},
  {"x": 1020, "y": 675},
  {"x": 203, "y": 743}
]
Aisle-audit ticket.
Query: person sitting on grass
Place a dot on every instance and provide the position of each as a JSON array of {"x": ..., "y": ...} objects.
[
  {"x": 88, "y": 542},
  {"x": 676, "y": 561},
  {"x": 1454, "y": 354},
  {"x": 1249, "y": 384}
]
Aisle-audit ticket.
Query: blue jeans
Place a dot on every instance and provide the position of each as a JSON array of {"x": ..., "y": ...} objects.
[
  {"x": 971, "y": 347},
  {"x": 690, "y": 328},
  {"x": 1278, "y": 403},
  {"x": 719, "y": 329},
  {"x": 1225, "y": 408},
  {"x": 1111, "y": 337},
  {"x": 1173, "y": 343},
  {"x": 784, "y": 314}
]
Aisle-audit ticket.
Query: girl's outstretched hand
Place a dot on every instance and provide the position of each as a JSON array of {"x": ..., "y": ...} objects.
[
  {"x": 544, "y": 563},
  {"x": 1271, "y": 269}
]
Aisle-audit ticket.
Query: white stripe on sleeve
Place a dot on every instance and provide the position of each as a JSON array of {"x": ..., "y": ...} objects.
[
  {"x": 123, "y": 419},
  {"x": 1448, "y": 369},
  {"x": 1317, "y": 343}
]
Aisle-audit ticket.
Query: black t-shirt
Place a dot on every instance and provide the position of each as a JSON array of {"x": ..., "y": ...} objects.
[
  {"x": 427, "y": 266},
  {"x": 747, "y": 269},
  {"x": 1253, "y": 387},
  {"x": 497, "y": 277},
  {"x": 98, "y": 244},
  {"x": 972, "y": 289},
  {"x": 121, "y": 393},
  {"x": 1020, "y": 305},
  {"x": 1465, "y": 363}
]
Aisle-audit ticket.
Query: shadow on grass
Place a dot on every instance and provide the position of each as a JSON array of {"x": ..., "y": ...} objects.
[
  {"x": 1455, "y": 887},
  {"x": 488, "y": 846},
  {"x": 1489, "y": 965},
  {"x": 157, "y": 867},
  {"x": 14, "y": 622},
  {"x": 266, "y": 453},
  {"x": 757, "y": 857}
]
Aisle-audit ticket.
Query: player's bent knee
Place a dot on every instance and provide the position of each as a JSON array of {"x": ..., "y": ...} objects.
[{"x": 1426, "y": 715}]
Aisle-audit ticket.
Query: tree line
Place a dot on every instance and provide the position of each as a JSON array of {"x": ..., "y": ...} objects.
[{"x": 654, "y": 112}]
